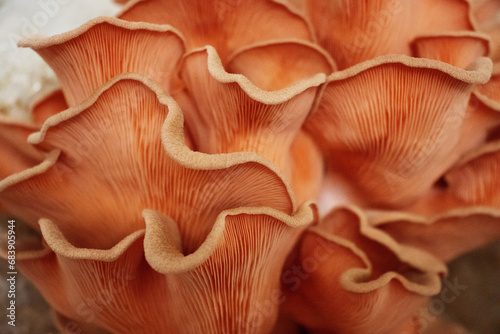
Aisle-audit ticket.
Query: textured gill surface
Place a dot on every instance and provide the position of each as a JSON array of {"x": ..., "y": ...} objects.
[{"x": 24, "y": 75}]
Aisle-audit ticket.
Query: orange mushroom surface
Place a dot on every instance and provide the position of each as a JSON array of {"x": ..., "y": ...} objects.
[{"x": 257, "y": 166}]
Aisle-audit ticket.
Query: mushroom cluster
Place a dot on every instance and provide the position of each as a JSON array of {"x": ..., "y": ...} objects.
[{"x": 258, "y": 166}]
